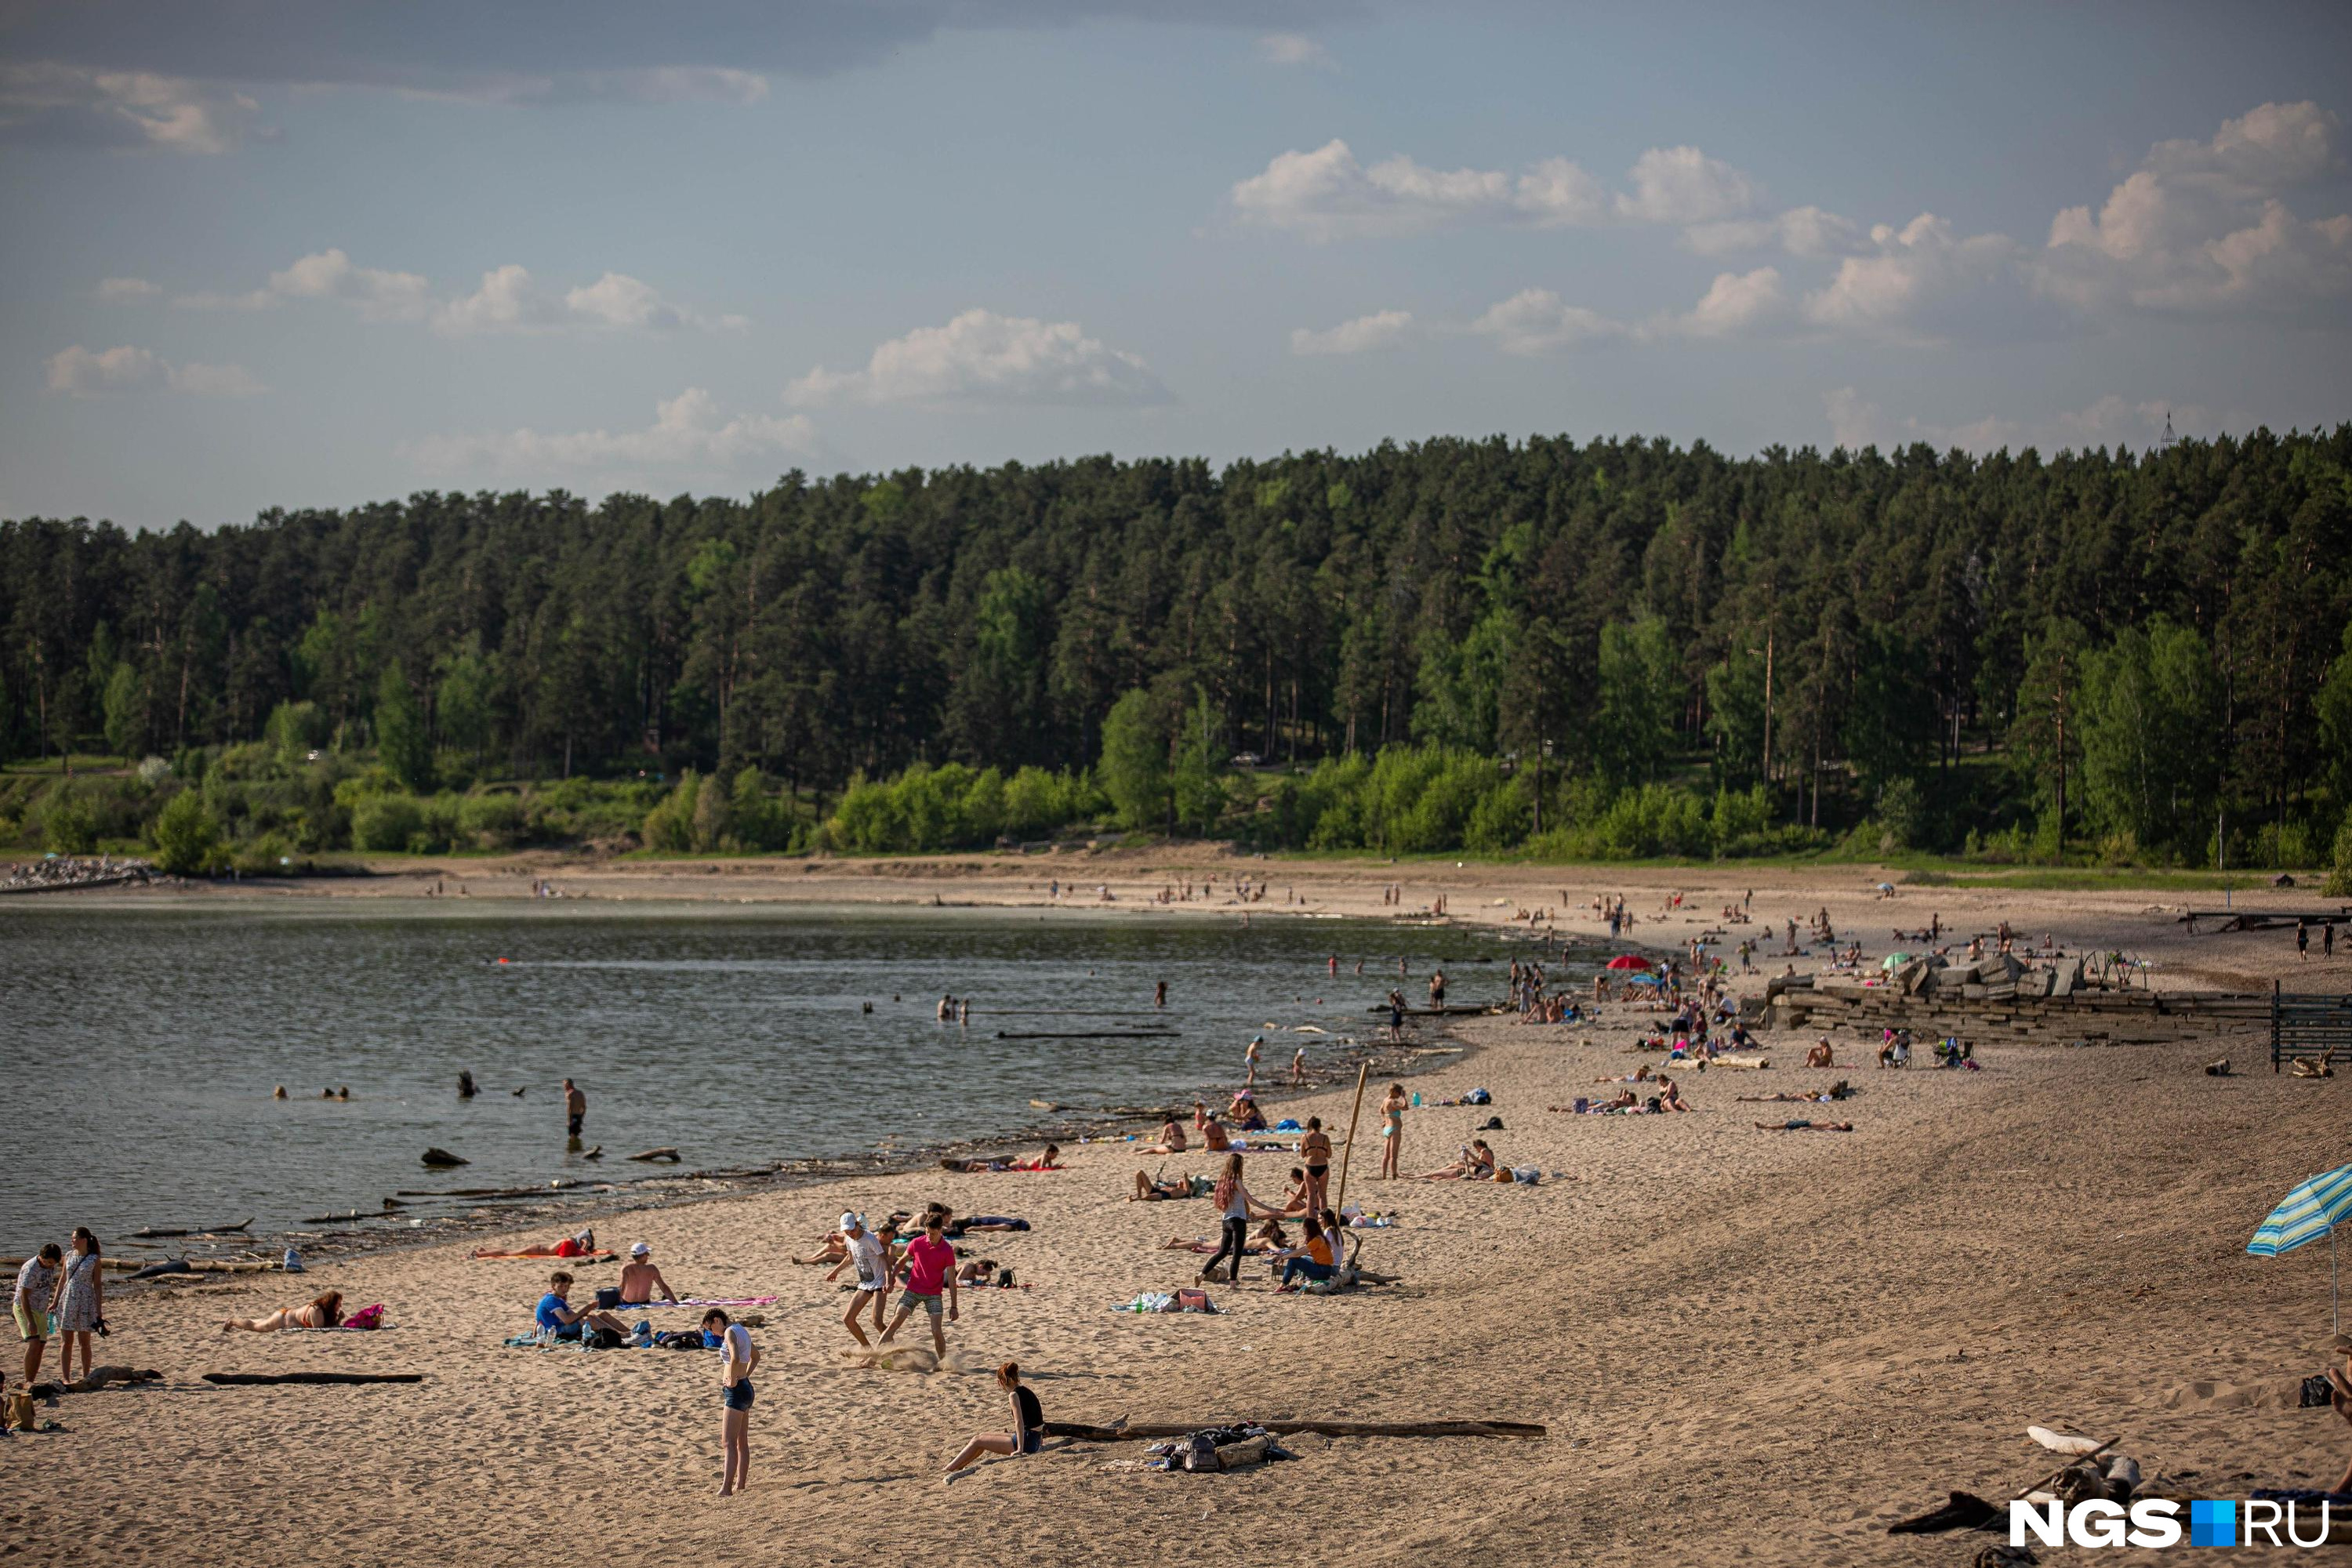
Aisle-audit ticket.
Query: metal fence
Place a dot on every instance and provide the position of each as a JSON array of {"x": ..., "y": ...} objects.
[{"x": 2308, "y": 1027}]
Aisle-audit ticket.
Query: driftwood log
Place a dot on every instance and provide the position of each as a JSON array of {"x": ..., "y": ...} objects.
[
  {"x": 93, "y": 1382},
  {"x": 152, "y": 1234},
  {"x": 1133, "y": 1431},
  {"x": 553, "y": 1186},
  {"x": 242, "y": 1378},
  {"x": 438, "y": 1158},
  {"x": 665, "y": 1152}
]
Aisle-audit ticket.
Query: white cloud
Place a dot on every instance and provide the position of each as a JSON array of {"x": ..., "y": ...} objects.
[
  {"x": 2109, "y": 421},
  {"x": 2202, "y": 225},
  {"x": 1535, "y": 322},
  {"x": 617, "y": 300},
  {"x": 1681, "y": 185},
  {"x": 123, "y": 290},
  {"x": 1328, "y": 195},
  {"x": 377, "y": 295},
  {"x": 980, "y": 357},
  {"x": 1737, "y": 304},
  {"x": 1806, "y": 231},
  {"x": 43, "y": 102},
  {"x": 1923, "y": 284},
  {"x": 1295, "y": 49},
  {"x": 507, "y": 300},
  {"x": 78, "y": 371},
  {"x": 687, "y": 431},
  {"x": 82, "y": 373},
  {"x": 1383, "y": 329}
]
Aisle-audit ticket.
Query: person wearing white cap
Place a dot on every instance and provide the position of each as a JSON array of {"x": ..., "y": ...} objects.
[
  {"x": 640, "y": 1278},
  {"x": 872, "y": 1265}
]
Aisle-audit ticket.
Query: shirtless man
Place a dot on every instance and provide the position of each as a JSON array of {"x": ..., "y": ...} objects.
[
  {"x": 640, "y": 1278},
  {"x": 575, "y": 1108}
]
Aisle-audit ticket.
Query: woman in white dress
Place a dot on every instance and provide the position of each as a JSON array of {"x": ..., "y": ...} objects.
[{"x": 82, "y": 1300}]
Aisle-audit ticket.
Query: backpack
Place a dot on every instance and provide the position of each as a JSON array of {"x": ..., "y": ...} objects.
[
  {"x": 605, "y": 1339},
  {"x": 1199, "y": 1453}
]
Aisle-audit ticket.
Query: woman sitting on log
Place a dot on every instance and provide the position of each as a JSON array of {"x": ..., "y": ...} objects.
[{"x": 326, "y": 1313}]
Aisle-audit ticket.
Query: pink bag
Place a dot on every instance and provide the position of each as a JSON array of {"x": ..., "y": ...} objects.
[{"x": 366, "y": 1318}]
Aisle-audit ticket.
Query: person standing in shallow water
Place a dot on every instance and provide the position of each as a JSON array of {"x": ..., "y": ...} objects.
[
  {"x": 1159, "y": 995},
  {"x": 575, "y": 1109}
]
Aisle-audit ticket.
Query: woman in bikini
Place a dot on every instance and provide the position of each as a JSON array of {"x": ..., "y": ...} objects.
[
  {"x": 1315, "y": 1150},
  {"x": 326, "y": 1313},
  {"x": 1392, "y": 1109}
]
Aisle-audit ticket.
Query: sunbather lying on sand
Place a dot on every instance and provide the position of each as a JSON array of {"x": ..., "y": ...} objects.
[
  {"x": 1152, "y": 1190},
  {"x": 1837, "y": 1090},
  {"x": 583, "y": 1244},
  {"x": 323, "y": 1313},
  {"x": 1804, "y": 1127},
  {"x": 1639, "y": 1075},
  {"x": 1270, "y": 1237}
]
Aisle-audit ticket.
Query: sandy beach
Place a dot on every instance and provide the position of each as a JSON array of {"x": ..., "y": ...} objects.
[{"x": 1748, "y": 1346}]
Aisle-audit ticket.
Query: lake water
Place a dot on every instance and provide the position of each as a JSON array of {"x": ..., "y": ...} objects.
[{"x": 138, "y": 1044}]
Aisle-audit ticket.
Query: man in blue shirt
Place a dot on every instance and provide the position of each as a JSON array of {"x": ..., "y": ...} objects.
[{"x": 559, "y": 1319}]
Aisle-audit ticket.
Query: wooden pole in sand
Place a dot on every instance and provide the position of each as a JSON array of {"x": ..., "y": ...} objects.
[{"x": 1363, "y": 1071}]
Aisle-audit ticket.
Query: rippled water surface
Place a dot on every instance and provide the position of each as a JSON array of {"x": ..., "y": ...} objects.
[{"x": 138, "y": 1044}]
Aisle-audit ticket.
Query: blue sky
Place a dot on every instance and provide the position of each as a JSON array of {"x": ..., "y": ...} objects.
[{"x": 302, "y": 252}]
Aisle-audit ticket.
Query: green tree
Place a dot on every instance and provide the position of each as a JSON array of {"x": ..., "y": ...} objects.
[
  {"x": 124, "y": 705},
  {"x": 1135, "y": 770},
  {"x": 1634, "y": 730},
  {"x": 401, "y": 741},
  {"x": 185, "y": 835},
  {"x": 461, "y": 703}
]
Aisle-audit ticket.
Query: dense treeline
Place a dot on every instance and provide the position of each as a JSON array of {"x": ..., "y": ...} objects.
[{"x": 2146, "y": 649}]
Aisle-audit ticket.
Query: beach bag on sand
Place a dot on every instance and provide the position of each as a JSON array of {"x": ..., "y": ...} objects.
[
  {"x": 20, "y": 1412},
  {"x": 607, "y": 1297},
  {"x": 366, "y": 1318},
  {"x": 1199, "y": 1453},
  {"x": 1477, "y": 1097},
  {"x": 605, "y": 1339},
  {"x": 1190, "y": 1300}
]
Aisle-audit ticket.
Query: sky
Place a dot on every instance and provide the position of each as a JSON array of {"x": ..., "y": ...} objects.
[{"x": 314, "y": 253}]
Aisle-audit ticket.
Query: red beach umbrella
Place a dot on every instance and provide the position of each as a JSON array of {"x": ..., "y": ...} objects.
[{"x": 1629, "y": 960}]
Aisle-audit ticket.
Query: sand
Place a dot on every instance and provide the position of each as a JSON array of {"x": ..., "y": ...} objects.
[{"x": 1748, "y": 1347}]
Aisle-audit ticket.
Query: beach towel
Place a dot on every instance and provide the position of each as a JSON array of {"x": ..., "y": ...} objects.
[
  {"x": 367, "y": 1319},
  {"x": 604, "y": 1254},
  {"x": 705, "y": 1301}
]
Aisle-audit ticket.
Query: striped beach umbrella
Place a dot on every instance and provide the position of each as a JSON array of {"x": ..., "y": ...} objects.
[{"x": 2314, "y": 1209}]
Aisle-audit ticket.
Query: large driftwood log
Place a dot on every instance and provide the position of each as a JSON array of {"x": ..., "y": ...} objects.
[
  {"x": 243, "y": 1378},
  {"x": 666, "y": 1152},
  {"x": 151, "y": 1234},
  {"x": 1144, "y": 1429},
  {"x": 93, "y": 1382}
]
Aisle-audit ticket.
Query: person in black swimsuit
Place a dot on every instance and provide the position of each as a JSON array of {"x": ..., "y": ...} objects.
[{"x": 1028, "y": 1434}]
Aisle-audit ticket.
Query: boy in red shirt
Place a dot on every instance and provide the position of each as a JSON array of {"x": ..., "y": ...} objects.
[{"x": 930, "y": 1268}]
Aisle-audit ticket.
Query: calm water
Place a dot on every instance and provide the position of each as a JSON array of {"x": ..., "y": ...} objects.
[{"x": 139, "y": 1046}]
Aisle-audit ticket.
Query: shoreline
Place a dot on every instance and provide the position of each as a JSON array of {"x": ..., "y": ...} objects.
[{"x": 1826, "y": 1332}]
